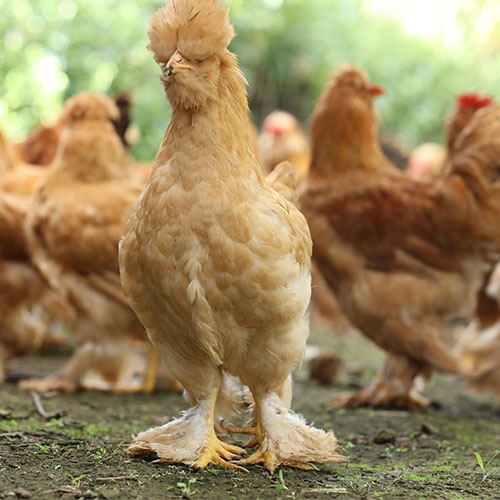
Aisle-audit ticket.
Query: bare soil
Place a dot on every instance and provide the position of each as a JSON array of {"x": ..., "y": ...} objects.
[{"x": 75, "y": 450}]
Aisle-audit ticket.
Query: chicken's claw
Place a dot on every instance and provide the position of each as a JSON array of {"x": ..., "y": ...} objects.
[
  {"x": 220, "y": 453},
  {"x": 272, "y": 462}
]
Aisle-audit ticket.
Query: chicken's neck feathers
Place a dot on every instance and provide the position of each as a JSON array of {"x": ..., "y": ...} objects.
[{"x": 216, "y": 134}]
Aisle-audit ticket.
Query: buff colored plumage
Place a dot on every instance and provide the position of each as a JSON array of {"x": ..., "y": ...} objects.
[
  {"x": 215, "y": 262},
  {"x": 73, "y": 227}
]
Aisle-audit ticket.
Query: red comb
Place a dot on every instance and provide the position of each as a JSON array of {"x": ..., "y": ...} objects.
[
  {"x": 375, "y": 90},
  {"x": 471, "y": 100}
]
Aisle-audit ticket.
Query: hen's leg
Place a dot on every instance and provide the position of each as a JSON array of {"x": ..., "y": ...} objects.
[
  {"x": 284, "y": 438},
  {"x": 106, "y": 358},
  {"x": 394, "y": 387},
  {"x": 191, "y": 438}
]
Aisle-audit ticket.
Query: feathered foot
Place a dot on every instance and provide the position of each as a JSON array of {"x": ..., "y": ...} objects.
[
  {"x": 190, "y": 440},
  {"x": 285, "y": 439}
]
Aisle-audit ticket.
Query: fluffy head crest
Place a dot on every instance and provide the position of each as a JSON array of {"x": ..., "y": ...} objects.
[
  {"x": 90, "y": 106},
  {"x": 197, "y": 28},
  {"x": 471, "y": 100}
]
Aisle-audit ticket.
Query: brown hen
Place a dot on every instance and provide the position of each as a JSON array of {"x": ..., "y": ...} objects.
[{"x": 403, "y": 257}]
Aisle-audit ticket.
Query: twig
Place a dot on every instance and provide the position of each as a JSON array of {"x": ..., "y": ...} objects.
[
  {"x": 115, "y": 478},
  {"x": 41, "y": 410},
  {"x": 11, "y": 434}
]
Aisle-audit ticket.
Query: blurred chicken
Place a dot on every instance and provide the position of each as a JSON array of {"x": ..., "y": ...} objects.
[
  {"x": 28, "y": 308},
  {"x": 41, "y": 145},
  {"x": 16, "y": 176},
  {"x": 402, "y": 256},
  {"x": 282, "y": 138},
  {"x": 426, "y": 161},
  {"x": 478, "y": 347},
  {"x": 73, "y": 227},
  {"x": 466, "y": 106},
  {"x": 215, "y": 262}
]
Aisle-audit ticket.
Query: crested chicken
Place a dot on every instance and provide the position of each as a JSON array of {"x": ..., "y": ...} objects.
[
  {"x": 73, "y": 227},
  {"x": 402, "y": 256},
  {"x": 215, "y": 262},
  {"x": 283, "y": 139}
]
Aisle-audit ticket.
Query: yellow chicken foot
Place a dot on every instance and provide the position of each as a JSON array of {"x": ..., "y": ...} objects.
[
  {"x": 190, "y": 439},
  {"x": 284, "y": 438},
  {"x": 234, "y": 429},
  {"x": 267, "y": 457},
  {"x": 218, "y": 452}
]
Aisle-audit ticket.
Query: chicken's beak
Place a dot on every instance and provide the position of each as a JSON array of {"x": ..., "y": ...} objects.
[{"x": 176, "y": 64}]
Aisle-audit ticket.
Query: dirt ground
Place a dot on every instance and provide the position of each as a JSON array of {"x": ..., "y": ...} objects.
[{"x": 75, "y": 449}]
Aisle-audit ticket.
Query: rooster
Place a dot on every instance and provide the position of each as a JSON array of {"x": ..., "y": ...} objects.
[
  {"x": 402, "y": 256},
  {"x": 215, "y": 262}
]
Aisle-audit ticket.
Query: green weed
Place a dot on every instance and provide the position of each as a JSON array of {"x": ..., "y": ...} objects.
[{"x": 485, "y": 467}]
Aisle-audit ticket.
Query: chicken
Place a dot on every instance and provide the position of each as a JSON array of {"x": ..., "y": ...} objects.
[
  {"x": 41, "y": 145},
  {"x": 426, "y": 161},
  {"x": 16, "y": 176},
  {"x": 466, "y": 105},
  {"x": 280, "y": 139},
  {"x": 402, "y": 256},
  {"x": 28, "y": 308},
  {"x": 215, "y": 262},
  {"x": 487, "y": 309},
  {"x": 73, "y": 227}
]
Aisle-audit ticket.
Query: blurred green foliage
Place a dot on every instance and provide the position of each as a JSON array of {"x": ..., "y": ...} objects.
[{"x": 287, "y": 49}]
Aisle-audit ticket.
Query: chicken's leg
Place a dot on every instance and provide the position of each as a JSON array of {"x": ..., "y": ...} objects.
[
  {"x": 394, "y": 387},
  {"x": 285, "y": 439},
  {"x": 190, "y": 439}
]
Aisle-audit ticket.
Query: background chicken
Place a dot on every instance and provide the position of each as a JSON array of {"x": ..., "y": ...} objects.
[
  {"x": 402, "y": 256},
  {"x": 214, "y": 261},
  {"x": 73, "y": 227},
  {"x": 29, "y": 310},
  {"x": 16, "y": 176},
  {"x": 282, "y": 138}
]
